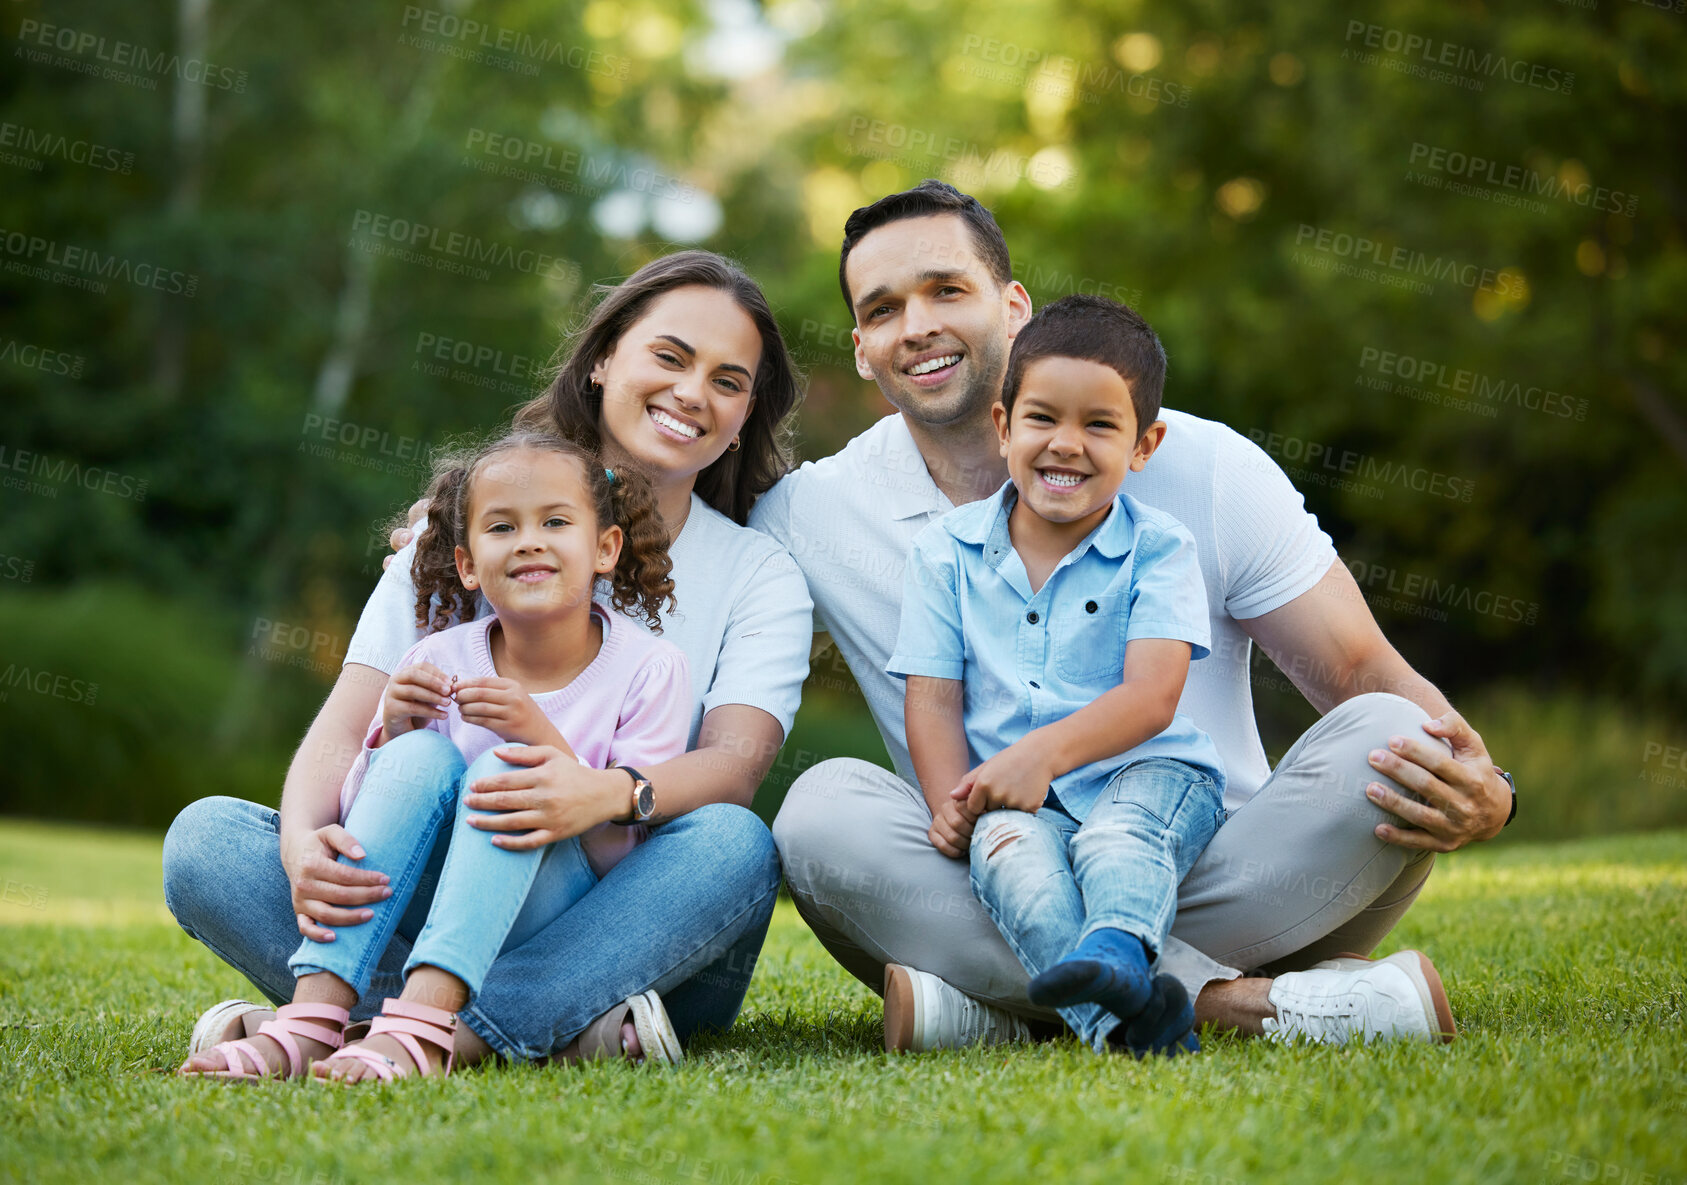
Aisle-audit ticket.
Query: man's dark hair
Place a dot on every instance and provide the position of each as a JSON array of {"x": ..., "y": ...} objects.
[
  {"x": 925, "y": 199},
  {"x": 1094, "y": 329}
]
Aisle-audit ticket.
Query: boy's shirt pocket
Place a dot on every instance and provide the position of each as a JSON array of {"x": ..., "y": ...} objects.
[{"x": 1088, "y": 636}]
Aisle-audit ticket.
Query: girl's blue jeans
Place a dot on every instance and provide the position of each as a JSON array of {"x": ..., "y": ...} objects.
[
  {"x": 1049, "y": 881},
  {"x": 683, "y": 914},
  {"x": 474, "y": 899}
]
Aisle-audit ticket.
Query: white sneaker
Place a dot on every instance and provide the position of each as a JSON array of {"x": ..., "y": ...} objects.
[
  {"x": 228, "y": 1020},
  {"x": 922, "y": 1012},
  {"x": 1399, "y": 998}
]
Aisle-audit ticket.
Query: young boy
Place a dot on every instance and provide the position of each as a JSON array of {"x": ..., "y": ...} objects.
[{"x": 1046, "y": 635}]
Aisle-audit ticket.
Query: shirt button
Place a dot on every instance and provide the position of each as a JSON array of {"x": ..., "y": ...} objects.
[
  {"x": 1034, "y": 684},
  {"x": 1032, "y": 617},
  {"x": 1090, "y": 606}
]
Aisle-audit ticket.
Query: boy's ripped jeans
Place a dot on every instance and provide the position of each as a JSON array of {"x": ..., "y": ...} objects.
[{"x": 1048, "y": 881}]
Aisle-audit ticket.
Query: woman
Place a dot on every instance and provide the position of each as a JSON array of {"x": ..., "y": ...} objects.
[{"x": 682, "y": 370}]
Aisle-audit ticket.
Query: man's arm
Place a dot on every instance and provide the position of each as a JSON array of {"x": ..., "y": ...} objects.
[{"x": 1332, "y": 649}]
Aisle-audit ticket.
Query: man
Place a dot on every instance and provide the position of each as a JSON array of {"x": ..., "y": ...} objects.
[{"x": 1320, "y": 857}]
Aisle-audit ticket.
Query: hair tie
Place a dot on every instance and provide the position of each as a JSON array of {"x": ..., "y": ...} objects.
[{"x": 610, "y": 474}]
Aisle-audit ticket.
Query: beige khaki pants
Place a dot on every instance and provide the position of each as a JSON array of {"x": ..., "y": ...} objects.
[{"x": 1292, "y": 877}]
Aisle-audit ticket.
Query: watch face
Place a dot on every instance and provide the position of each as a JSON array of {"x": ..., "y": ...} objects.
[{"x": 646, "y": 799}]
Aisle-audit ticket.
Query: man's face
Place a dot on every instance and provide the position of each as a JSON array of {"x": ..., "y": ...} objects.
[{"x": 932, "y": 325}]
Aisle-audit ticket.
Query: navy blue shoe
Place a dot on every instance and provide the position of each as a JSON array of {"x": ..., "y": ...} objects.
[
  {"x": 1109, "y": 968},
  {"x": 1166, "y": 1025}
]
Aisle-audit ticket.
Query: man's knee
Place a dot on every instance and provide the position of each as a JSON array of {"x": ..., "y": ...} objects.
[
  {"x": 1380, "y": 715},
  {"x": 807, "y": 825}
]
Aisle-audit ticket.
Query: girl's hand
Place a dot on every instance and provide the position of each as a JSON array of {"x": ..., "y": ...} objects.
[
  {"x": 414, "y": 696},
  {"x": 502, "y": 706},
  {"x": 554, "y": 798},
  {"x": 326, "y": 892}
]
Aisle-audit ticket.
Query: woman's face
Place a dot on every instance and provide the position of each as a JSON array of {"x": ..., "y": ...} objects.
[{"x": 676, "y": 386}]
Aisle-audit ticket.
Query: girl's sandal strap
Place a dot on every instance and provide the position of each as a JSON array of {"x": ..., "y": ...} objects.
[
  {"x": 235, "y": 1055},
  {"x": 406, "y": 1032},
  {"x": 332, "y": 1013},
  {"x": 427, "y": 1013},
  {"x": 385, "y": 1068},
  {"x": 292, "y": 1021}
]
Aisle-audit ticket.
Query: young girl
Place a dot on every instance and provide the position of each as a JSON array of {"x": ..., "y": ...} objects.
[{"x": 531, "y": 522}]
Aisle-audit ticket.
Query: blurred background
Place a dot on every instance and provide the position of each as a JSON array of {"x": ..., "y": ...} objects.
[{"x": 256, "y": 260}]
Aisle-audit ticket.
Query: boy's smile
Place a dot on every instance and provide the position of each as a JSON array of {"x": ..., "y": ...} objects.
[{"x": 1069, "y": 441}]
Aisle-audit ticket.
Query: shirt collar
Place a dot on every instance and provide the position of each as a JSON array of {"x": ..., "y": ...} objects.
[
  {"x": 1113, "y": 538},
  {"x": 907, "y": 485}
]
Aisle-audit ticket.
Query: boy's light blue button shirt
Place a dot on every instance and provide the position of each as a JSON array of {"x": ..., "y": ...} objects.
[{"x": 1028, "y": 659}]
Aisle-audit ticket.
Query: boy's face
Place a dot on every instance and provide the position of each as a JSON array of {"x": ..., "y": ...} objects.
[{"x": 1072, "y": 437}]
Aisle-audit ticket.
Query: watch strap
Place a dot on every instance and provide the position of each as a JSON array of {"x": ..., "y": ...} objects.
[
  {"x": 1512, "y": 782},
  {"x": 639, "y": 780}
]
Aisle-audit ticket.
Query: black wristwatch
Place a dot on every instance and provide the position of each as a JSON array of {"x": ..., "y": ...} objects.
[
  {"x": 644, "y": 796},
  {"x": 1512, "y": 782}
]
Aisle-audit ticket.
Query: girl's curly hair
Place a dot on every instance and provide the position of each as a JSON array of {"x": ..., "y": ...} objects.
[{"x": 641, "y": 580}]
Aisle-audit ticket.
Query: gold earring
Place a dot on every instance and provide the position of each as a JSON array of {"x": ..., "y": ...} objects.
[{"x": 733, "y": 447}]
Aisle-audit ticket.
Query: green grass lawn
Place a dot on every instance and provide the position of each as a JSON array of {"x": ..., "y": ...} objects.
[{"x": 1565, "y": 964}]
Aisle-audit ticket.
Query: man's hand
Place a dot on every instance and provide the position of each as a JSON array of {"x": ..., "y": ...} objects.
[
  {"x": 1016, "y": 779},
  {"x": 501, "y": 705},
  {"x": 1464, "y": 799},
  {"x": 325, "y": 891},
  {"x": 951, "y": 829},
  {"x": 401, "y": 536}
]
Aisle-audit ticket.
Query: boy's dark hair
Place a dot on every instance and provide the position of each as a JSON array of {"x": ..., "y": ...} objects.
[
  {"x": 1094, "y": 329},
  {"x": 641, "y": 580},
  {"x": 925, "y": 199}
]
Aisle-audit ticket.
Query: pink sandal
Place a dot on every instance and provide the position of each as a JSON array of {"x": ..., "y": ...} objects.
[
  {"x": 291, "y": 1021},
  {"x": 406, "y": 1022}
]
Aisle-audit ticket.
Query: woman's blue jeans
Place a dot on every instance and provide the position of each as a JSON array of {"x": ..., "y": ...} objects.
[
  {"x": 1049, "y": 881},
  {"x": 683, "y": 914},
  {"x": 477, "y": 899}
]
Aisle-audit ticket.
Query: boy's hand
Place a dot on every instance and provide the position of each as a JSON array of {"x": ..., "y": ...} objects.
[
  {"x": 1016, "y": 779},
  {"x": 414, "y": 696},
  {"x": 951, "y": 829},
  {"x": 502, "y": 706}
]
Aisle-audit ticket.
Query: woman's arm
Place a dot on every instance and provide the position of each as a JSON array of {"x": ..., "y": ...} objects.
[{"x": 326, "y": 892}]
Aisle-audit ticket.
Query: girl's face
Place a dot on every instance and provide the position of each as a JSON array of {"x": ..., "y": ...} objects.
[
  {"x": 676, "y": 387},
  {"x": 535, "y": 547}
]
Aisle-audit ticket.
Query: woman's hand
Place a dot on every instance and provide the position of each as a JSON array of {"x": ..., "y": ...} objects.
[
  {"x": 501, "y": 705},
  {"x": 554, "y": 798},
  {"x": 414, "y": 696},
  {"x": 326, "y": 892},
  {"x": 401, "y": 536}
]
